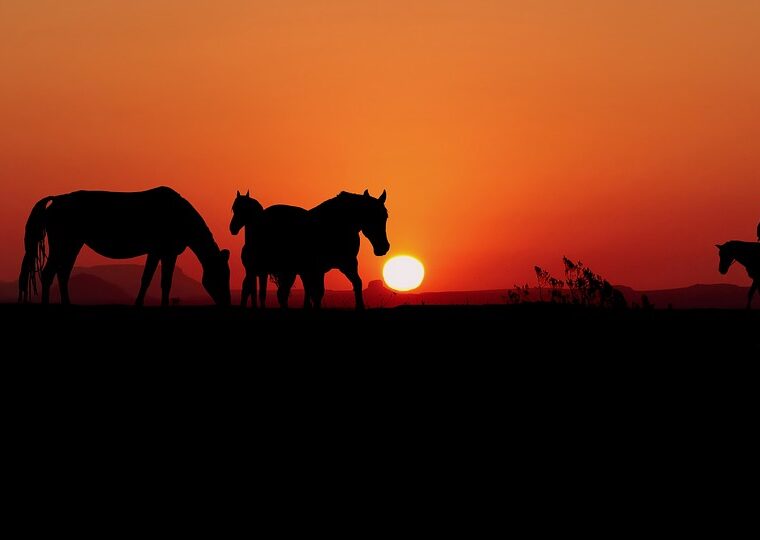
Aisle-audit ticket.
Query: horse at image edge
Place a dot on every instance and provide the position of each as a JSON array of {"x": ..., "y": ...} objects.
[
  {"x": 119, "y": 225},
  {"x": 745, "y": 253}
]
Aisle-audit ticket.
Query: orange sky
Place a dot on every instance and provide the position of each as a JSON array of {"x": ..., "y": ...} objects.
[{"x": 507, "y": 133}]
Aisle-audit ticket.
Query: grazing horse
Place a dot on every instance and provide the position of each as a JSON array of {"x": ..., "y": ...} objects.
[
  {"x": 276, "y": 243},
  {"x": 157, "y": 222},
  {"x": 748, "y": 255}
]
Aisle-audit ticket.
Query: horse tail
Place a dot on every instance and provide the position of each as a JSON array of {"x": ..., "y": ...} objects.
[{"x": 35, "y": 252}]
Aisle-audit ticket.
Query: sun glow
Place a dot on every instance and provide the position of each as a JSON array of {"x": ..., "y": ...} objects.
[{"x": 403, "y": 273}]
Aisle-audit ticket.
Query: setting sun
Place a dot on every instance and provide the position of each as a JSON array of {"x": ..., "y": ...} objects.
[{"x": 403, "y": 273}]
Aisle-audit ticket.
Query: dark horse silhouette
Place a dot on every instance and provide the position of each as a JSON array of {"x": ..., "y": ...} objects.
[
  {"x": 157, "y": 222},
  {"x": 748, "y": 255},
  {"x": 313, "y": 242},
  {"x": 276, "y": 243}
]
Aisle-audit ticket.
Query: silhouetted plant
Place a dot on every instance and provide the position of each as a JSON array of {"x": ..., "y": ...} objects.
[
  {"x": 543, "y": 278},
  {"x": 586, "y": 288},
  {"x": 555, "y": 286},
  {"x": 557, "y": 292},
  {"x": 520, "y": 293},
  {"x": 573, "y": 278}
]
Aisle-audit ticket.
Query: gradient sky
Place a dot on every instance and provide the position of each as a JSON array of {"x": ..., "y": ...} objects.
[{"x": 507, "y": 133}]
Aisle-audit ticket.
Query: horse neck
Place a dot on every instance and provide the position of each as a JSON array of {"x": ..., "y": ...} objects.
[
  {"x": 202, "y": 243},
  {"x": 337, "y": 215},
  {"x": 250, "y": 233},
  {"x": 250, "y": 225},
  {"x": 747, "y": 254}
]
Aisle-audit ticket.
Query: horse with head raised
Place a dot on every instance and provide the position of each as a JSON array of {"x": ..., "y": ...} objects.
[
  {"x": 120, "y": 225},
  {"x": 276, "y": 244},
  {"x": 336, "y": 224},
  {"x": 288, "y": 240},
  {"x": 746, "y": 254}
]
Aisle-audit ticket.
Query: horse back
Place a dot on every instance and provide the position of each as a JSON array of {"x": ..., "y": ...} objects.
[
  {"x": 123, "y": 224},
  {"x": 279, "y": 241}
]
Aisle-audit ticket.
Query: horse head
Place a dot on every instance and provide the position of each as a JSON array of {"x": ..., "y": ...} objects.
[
  {"x": 244, "y": 209},
  {"x": 216, "y": 277},
  {"x": 373, "y": 220},
  {"x": 725, "y": 258}
]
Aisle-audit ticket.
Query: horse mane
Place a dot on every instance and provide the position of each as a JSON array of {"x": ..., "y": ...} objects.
[
  {"x": 341, "y": 200},
  {"x": 741, "y": 244},
  {"x": 204, "y": 237},
  {"x": 329, "y": 203}
]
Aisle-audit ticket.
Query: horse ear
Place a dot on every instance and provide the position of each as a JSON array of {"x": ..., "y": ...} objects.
[
  {"x": 248, "y": 193},
  {"x": 225, "y": 254},
  {"x": 382, "y": 197},
  {"x": 238, "y": 193},
  {"x": 366, "y": 193}
]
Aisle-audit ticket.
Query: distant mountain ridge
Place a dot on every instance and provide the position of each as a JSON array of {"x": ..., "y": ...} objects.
[{"x": 119, "y": 283}]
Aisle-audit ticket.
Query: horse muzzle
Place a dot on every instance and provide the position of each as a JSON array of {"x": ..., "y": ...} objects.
[{"x": 381, "y": 250}]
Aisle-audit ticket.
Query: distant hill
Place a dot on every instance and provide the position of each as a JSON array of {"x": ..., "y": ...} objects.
[
  {"x": 127, "y": 278},
  {"x": 86, "y": 288},
  {"x": 119, "y": 283},
  {"x": 723, "y": 296},
  {"x": 696, "y": 296}
]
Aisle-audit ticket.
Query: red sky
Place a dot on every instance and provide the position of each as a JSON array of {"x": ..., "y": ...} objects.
[{"x": 507, "y": 133}]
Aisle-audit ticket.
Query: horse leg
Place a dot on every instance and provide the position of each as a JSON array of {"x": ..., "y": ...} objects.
[
  {"x": 167, "y": 271},
  {"x": 252, "y": 285},
  {"x": 65, "y": 267},
  {"x": 314, "y": 289},
  {"x": 284, "y": 284},
  {"x": 47, "y": 275},
  {"x": 752, "y": 290},
  {"x": 26, "y": 270},
  {"x": 147, "y": 277},
  {"x": 306, "y": 281},
  {"x": 317, "y": 289},
  {"x": 263, "y": 289},
  {"x": 246, "y": 292},
  {"x": 351, "y": 271}
]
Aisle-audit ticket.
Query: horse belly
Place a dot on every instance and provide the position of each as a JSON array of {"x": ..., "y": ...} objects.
[
  {"x": 117, "y": 250},
  {"x": 126, "y": 243}
]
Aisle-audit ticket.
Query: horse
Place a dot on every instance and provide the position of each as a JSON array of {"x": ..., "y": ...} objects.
[
  {"x": 336, "y": 224},
  {"x": 276, "y": 243},
  {"x": 323, "y": 238},
  {"x": 119, "y": 225},
  {"x": 748, "y": 255}
]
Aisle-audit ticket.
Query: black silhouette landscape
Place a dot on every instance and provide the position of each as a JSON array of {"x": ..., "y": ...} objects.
[{"x": 116, "y": 284}]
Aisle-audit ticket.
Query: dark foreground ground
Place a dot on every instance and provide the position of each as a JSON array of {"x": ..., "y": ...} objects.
[
  {"x": 525, "y": 407},
  {"x": 404, "y": 335},
  {"x": 532, "y": 357}
]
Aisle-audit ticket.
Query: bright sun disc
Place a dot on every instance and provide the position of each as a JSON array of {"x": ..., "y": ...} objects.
[{"x": 403, "y": 273}]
